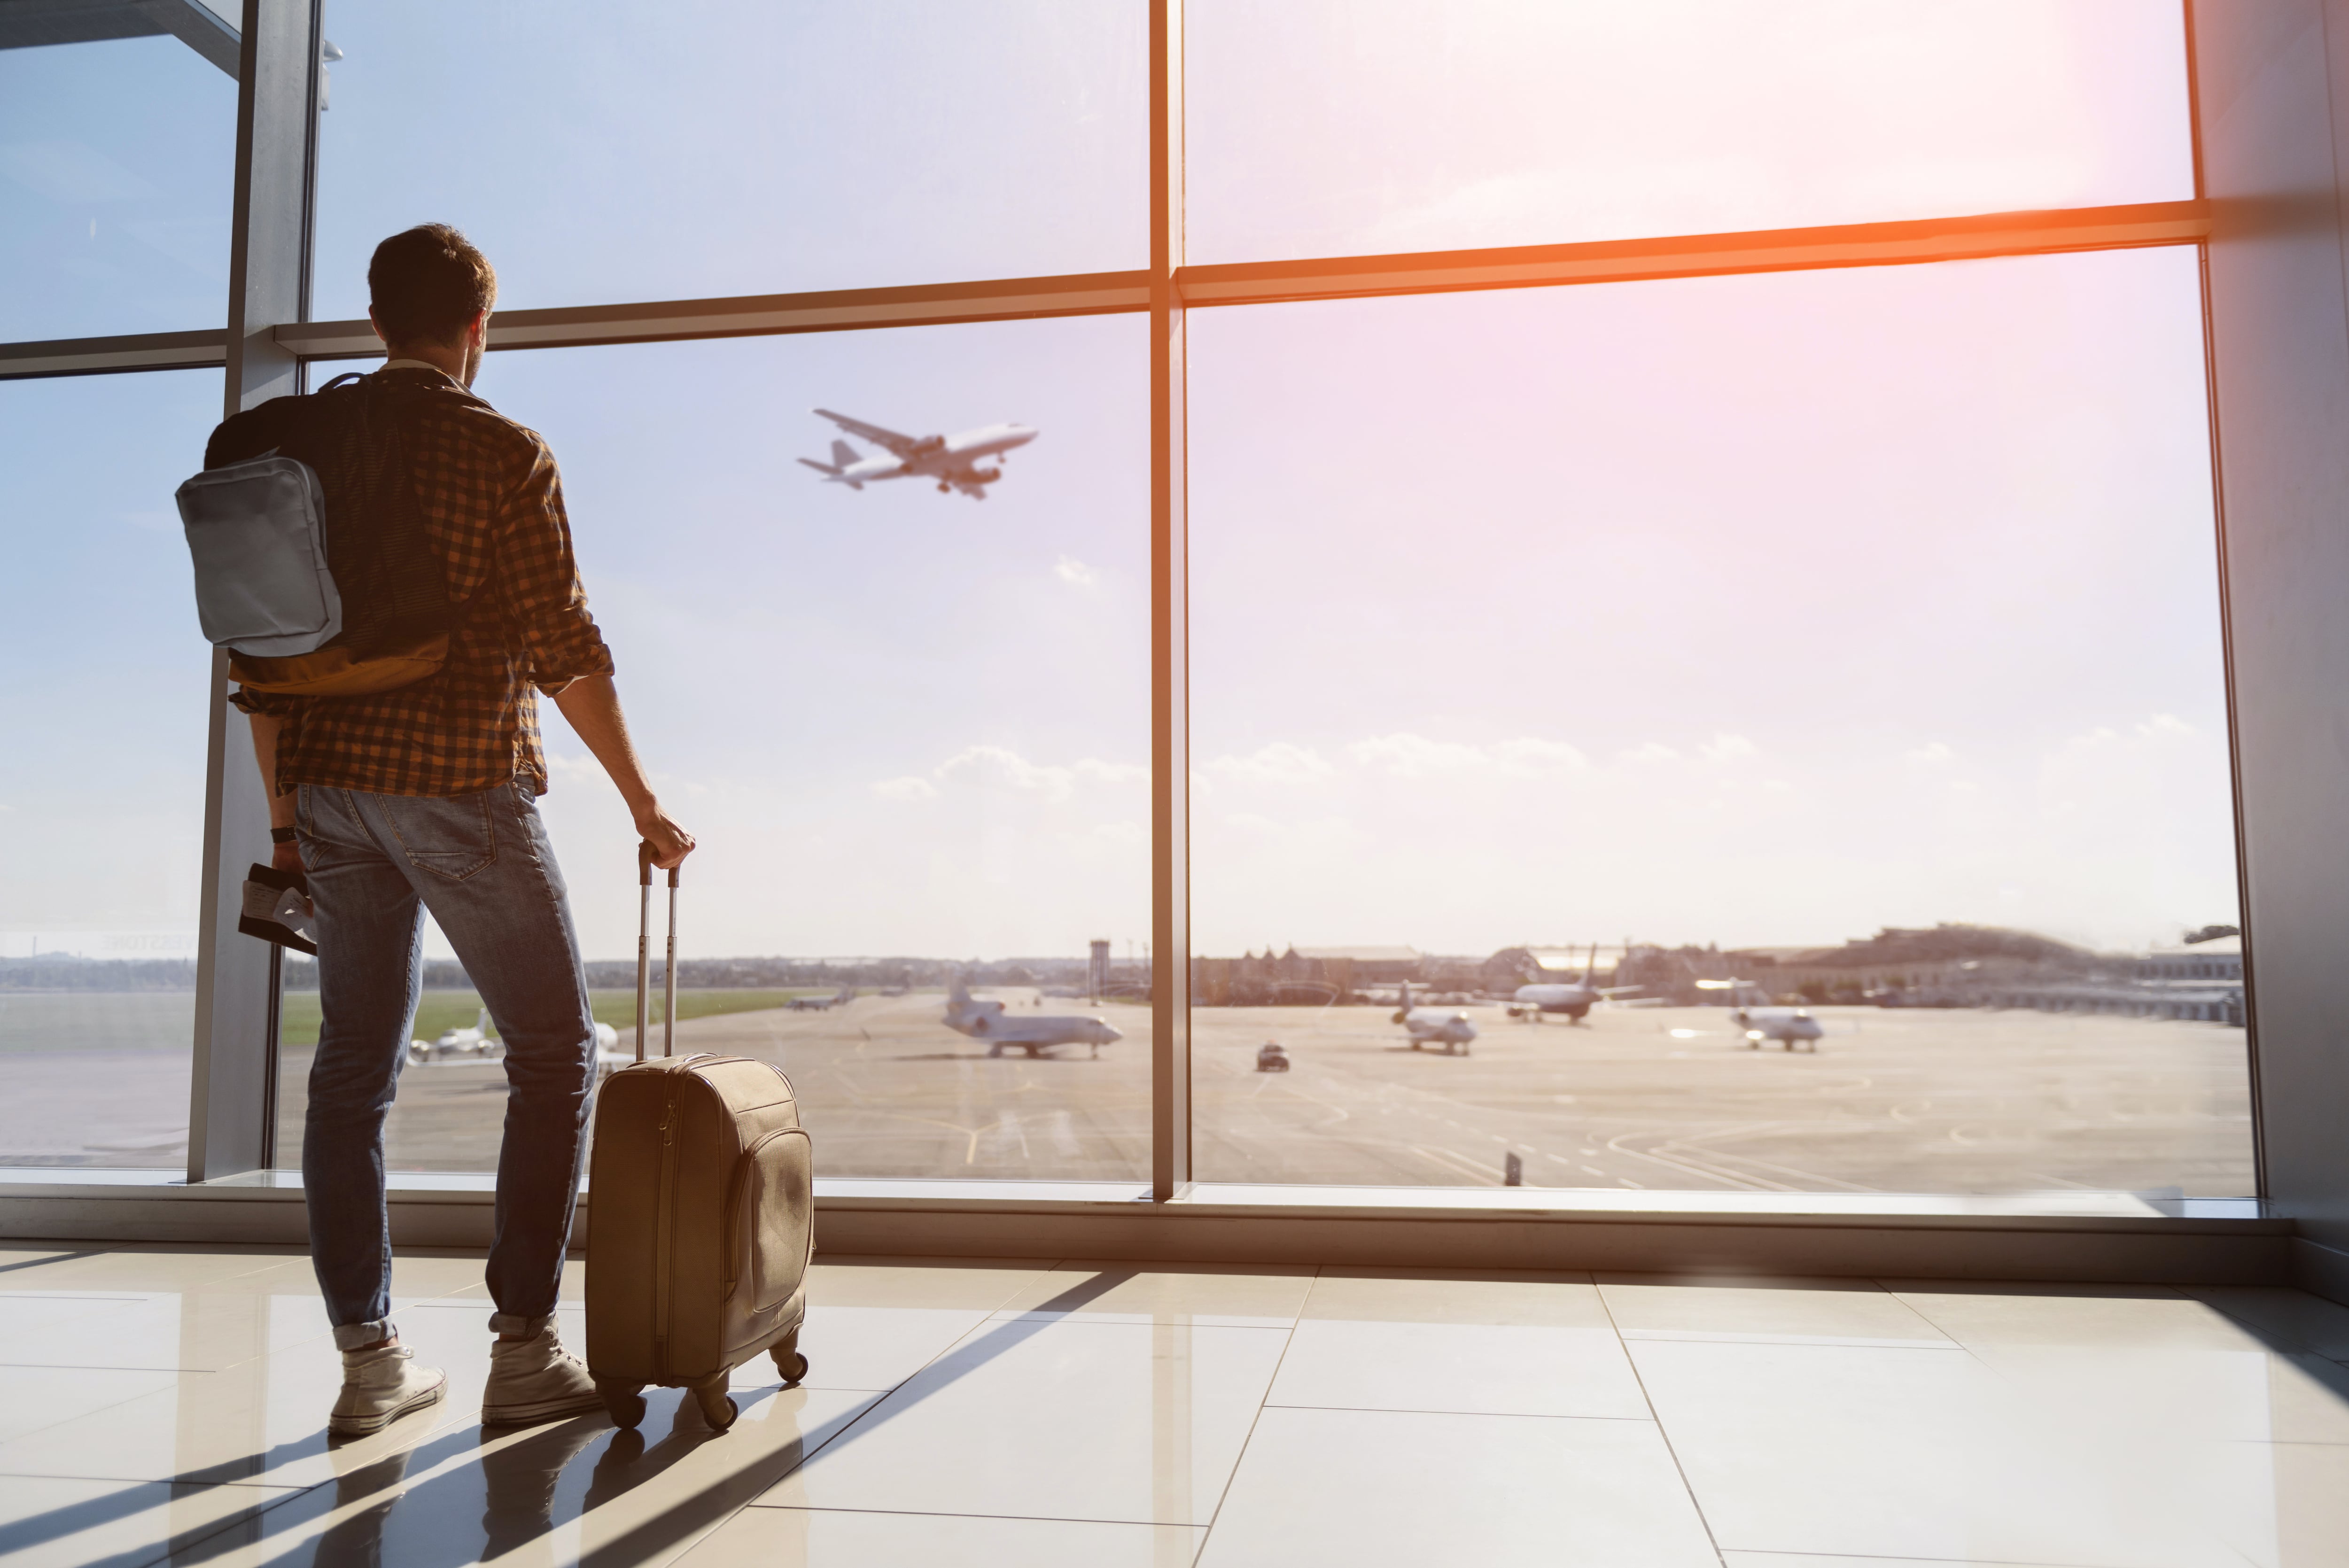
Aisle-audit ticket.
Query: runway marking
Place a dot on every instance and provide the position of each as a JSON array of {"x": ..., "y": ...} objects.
[
  {"x": 1688, "y": 1167},
  {"x": 1445, "y": 1157}
]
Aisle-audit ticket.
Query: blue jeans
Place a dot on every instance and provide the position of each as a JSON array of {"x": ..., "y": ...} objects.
[{"x": 483, "y": 864}]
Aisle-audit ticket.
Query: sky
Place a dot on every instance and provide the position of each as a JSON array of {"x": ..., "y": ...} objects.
[{"x": 1759, "y": 611}]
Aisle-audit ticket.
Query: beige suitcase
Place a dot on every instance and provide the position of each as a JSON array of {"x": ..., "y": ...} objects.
[{"x": 701, "y": 1213}]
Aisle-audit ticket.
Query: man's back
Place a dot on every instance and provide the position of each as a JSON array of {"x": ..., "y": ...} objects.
[{"x": 492, "y": 502}]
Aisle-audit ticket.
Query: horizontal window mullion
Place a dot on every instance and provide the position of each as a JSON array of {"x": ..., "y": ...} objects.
[
  {"x": 1238, "y": 283},
  {"x": 98, "y": 356},
  {"x": 1698, "y": 255}
]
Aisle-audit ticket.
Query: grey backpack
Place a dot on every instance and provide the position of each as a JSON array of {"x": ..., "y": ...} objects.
[
  {"x": 257, "y": 532},
  {"x": 312, "y": 563}
]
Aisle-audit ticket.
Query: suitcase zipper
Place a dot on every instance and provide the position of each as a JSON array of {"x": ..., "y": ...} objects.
[{"x": 665, "y": 1263}]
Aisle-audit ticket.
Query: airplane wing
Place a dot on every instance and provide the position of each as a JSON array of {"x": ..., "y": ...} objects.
[{"x": 889, "y": 440}]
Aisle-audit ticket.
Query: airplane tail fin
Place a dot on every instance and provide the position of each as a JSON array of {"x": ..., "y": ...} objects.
[
  {"x": 958, "y": 994},
  {"x": 842, "y": 454},
  {"x": 1590, "y": 968}
]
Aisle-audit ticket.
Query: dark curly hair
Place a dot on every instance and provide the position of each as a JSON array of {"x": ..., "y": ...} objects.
[{"x": 426, "y": 284}]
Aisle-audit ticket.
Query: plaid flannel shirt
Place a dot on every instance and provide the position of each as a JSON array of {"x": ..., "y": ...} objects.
[{"x": 493, "y": 508}]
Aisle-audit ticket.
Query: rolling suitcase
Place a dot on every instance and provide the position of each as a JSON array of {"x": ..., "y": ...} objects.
[{"x": 700, "y": 1212}]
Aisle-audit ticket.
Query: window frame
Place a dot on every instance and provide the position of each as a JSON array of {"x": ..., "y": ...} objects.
[{"x": 270, "y": 340}]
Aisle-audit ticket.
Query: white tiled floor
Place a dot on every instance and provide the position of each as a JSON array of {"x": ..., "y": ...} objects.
[{"x": 168, "y": 1404}]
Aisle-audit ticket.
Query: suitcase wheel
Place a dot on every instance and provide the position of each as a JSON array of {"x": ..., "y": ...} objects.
[
  {"x": 791, "y": 1364},
  {"x": 715, "y": 1408},
  {"x": 624, "y": 1401}
]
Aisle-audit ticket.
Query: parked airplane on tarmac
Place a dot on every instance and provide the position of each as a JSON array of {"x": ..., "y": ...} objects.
[
  {"x": 1445, "y": 1027},
  {"x": 986, "y": 1020},
  {"x": 840, "y": 998},
  {"x": 952, "y": 461},
  {"x": 1575, "y": 999},
  {"x": 1783, "y": 1025}
]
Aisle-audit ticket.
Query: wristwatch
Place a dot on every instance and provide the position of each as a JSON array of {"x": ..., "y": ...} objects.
[{"x": 283, "y": 835}]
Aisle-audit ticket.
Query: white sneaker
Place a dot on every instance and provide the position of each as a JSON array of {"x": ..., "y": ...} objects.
[
  {"x": 379, "y": 1386},
  {"x": 534, "y": 1380}
]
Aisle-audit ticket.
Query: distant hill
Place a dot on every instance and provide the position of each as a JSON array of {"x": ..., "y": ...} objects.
[{"x": 1943, "y": 944}]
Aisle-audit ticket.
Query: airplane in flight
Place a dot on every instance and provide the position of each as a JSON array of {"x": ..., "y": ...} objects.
[
  {"x": 1575, "y": 998},
  {"x": 1783, "y": 1025},
  {"x": 1448, "y": 1028},
  {"x": 986, "y": 1020},
  {"x": 952, "y": 461},
  {"x": 840, "y": 998}
]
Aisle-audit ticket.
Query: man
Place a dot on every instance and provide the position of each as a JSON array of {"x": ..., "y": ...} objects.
[{"x": 421, "y": 798}]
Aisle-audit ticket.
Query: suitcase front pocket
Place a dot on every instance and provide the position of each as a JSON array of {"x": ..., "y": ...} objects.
[{"x": 771, "y": 1233}]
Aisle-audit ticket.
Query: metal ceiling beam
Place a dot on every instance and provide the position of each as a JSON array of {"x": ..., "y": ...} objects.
[{"x": 38, "y": 24}]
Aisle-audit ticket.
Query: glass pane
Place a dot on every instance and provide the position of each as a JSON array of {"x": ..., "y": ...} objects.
[
  {"x": 1340, "y": 127},
  {"x": 603, "y": 151},
  {"x": 101, "y": 792},
  {"x": 910, "y": 730},
  {"x": 1839, "y": 643},
  {"x": 116, "y": 163}
]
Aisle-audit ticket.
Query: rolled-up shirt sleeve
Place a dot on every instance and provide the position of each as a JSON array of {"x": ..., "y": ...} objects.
[
  {"x": 252, "y": 701},
  {"x": 540, "y": 576}
]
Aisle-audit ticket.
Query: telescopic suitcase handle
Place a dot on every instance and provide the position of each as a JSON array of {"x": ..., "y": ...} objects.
[{"x": 644, "y": 853}]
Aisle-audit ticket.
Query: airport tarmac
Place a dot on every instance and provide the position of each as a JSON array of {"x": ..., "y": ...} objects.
[{"x": 1893, "y": 1100}]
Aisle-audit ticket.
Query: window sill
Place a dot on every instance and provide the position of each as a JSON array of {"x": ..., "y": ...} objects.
[{"x": 2070, "y": 1235}]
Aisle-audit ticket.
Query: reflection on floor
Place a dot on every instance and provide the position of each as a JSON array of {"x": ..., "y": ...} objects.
[{"x": 168, "y": 1404}]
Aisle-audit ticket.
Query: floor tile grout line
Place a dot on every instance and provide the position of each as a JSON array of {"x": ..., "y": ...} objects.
[
  {"x": 1223, "y": 1494},
  {"x": 2261, "y": 1330},
  {"x": 173, "y": 1548},
  {"x": 1663, "y": 1431},
  {"x": 94, "y": 1410},
  {"x": 162, "y": 1480},
  {"x": 871, "y": 1406},
  {"x": 1417, "y": 1410},
  {"x": 937, "y": 1514}
]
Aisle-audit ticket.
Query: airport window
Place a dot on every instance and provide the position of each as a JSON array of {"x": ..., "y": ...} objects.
[
  {"x": 906, "y": 727},
  {"x": 1764, "y": 677},
  {"x": 1341, "y": 128},
  {"x": 101, "y": 788},
  {"x": 607, "y": 151},
  {"x": 117, "y": 144},
  {"x": 1807, "y": 654}
]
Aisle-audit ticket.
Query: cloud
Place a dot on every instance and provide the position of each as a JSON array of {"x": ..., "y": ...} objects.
[
  {"x": 1932, "y": 754},
  {"x": 1076, "y": 573},
  {"x": 1526, "y": 755},
  {"x": 906, "y": 789},
  {"x": 1727, "y": 748},
  {"x": 1652, "y": 751},
  {"x": 1416, "y": 756},
  {"x": 562, "y": 769},
  {"x": 1407, "y": 756},
  {"x": 1278, "y": 763},
  {"x": 1004, "y": 765}
]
